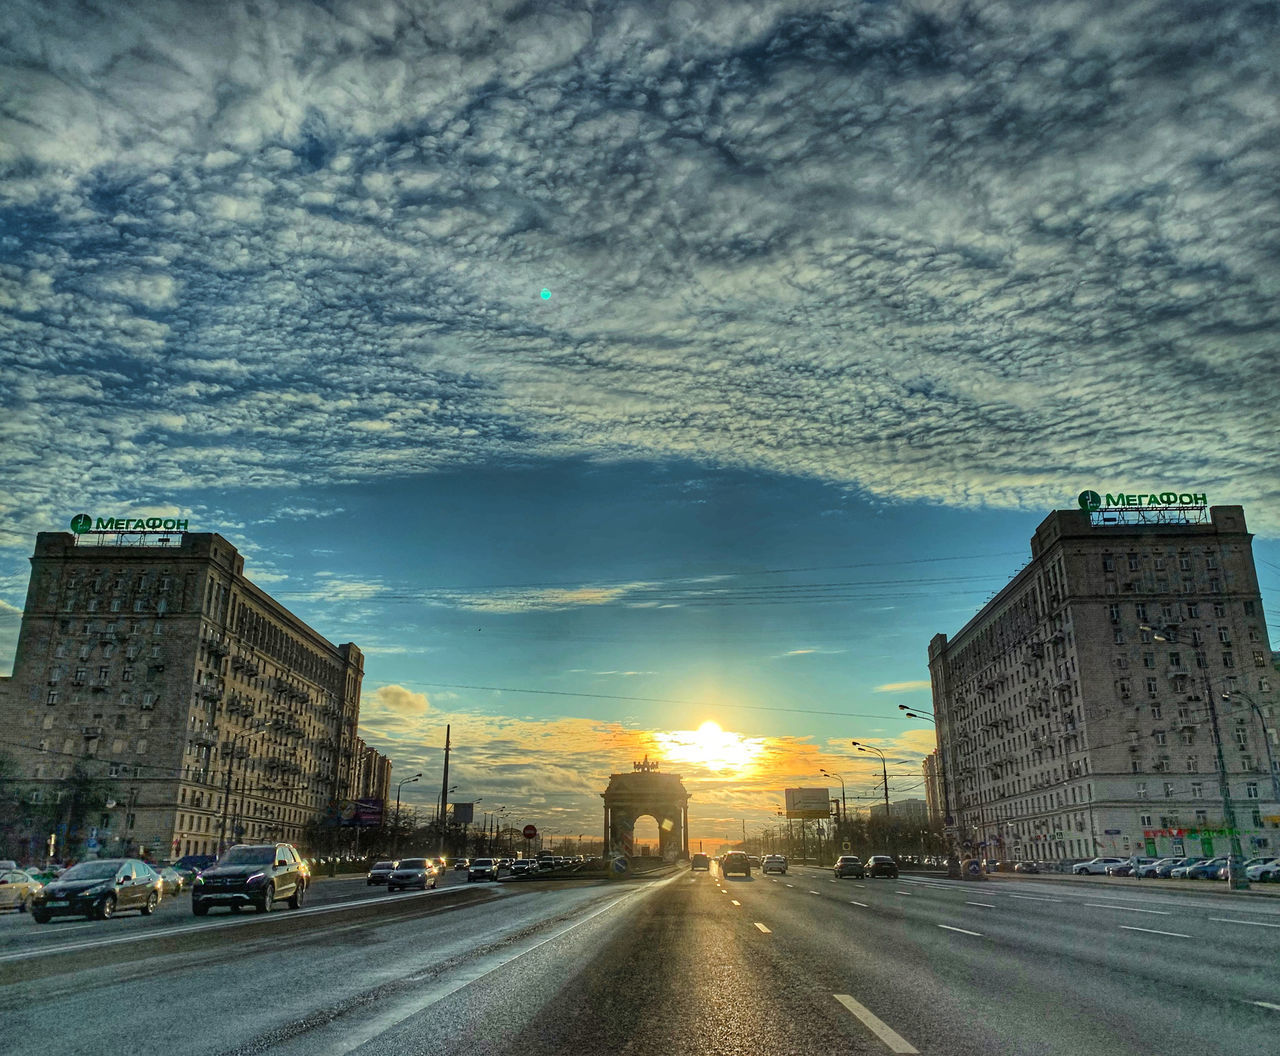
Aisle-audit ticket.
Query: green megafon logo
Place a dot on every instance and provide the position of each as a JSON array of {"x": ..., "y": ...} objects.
[
  {"x": 1089, "y": 500},
  {"x": 81, "y": 522}
]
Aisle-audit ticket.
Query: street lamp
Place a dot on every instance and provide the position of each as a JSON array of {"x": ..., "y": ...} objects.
[
  {"x": 1236, "y": 880},
  {"x": 883, "y": 768},
  {"x": 913, "y": 713},
  {"x": 1266, "y": 741},
  {"x": 844, "y": 808},
  {"x": 395, "y": 847},
  {"x": 226, "y": 792}
]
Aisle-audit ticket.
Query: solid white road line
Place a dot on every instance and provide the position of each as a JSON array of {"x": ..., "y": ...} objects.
[
  {"x": 895, "y": 1041},
  {"x": 984, "y": 905},
  {"x": 1267, "y": 1004},
  {"x": 1255, "y": 923},
  {"x": 1035, "y": 898},
  {"x": 1149, "y": 931},
  {"x": 902, "y": 893},
  {"x": 763, "y": 929},
  {"x": 962, "y": 931},
  {"x": 1128, "y": 909}
]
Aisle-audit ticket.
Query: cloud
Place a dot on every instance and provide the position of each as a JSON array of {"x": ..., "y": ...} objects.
[
  {"x": 904, "y": 687},
  {"x": 395, "y": 701}
]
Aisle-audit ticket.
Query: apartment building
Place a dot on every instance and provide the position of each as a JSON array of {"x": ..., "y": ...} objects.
[
  {"x": 1094, "y": 704},
  {"x": 154, "y": 679}
]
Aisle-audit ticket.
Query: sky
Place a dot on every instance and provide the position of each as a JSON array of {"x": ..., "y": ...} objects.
[{"x": 607, "y": 369}]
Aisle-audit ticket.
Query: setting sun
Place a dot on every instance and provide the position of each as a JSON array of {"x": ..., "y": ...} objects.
[{"x": 711, "y": 747}]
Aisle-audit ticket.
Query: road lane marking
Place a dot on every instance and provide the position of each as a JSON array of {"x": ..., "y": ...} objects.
[
  {"x": 1133, "y": 909},
  {"x": 1267, "y": 1004},
  {"x": 962, "y": 931},
  {"x": 791, "y": 885},
  {"x": 984, "y": 905},
  {"x": 862, "y": 904},
  {"x": 1035, "y": 898},
  {"x": 902, "y": 893},
  {"x": 763, "y": 929},
  {"x": 895, "y": 1041},
  {"x": 735, "y": 901},
  {"x": 1255, "y": 923},
  {"x": 1149, "y": 931},
  {"x": 813, "y": 892}
]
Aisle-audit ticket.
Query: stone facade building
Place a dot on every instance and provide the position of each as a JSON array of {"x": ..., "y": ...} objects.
[
  {"x": 1076, "y": 711},
  {"x": 198, "y": 708}
]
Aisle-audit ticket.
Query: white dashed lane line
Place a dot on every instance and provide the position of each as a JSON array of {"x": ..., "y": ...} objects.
[
  {"x": 735, "y": 901},
  {"x": 1035, "y": 898},
  {"x": 813, "y": 892},
  {"x": 963, "y": 931},
  {"x": 1149, "y": 931},
  {"x": 862, "y": 904},
  {"x": 1255, "y": 923},
  {"x": 895, "y": 1041},
  {"x": 762, "y": 928},
  {"x": 984, "y": 905}
]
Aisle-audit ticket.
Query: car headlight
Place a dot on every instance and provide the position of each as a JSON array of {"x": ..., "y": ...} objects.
[
  {"x": 197, "y": 881},
  {"x": 256, "y": 878}
]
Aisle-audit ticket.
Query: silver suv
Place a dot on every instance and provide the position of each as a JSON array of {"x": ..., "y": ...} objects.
[{"x": 773, "y": 863}]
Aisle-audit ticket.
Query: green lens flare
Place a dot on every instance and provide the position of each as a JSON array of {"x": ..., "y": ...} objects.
[{"x": 546, "y": 294}]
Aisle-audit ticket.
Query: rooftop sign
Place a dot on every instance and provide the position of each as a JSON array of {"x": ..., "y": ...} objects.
[
  {"x": 82, "y": 523},
  {"x": 1091, "y": 501}
]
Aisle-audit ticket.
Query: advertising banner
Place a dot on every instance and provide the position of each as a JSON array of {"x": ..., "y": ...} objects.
[
  {"x": 808, "y": 802},
  {"x": 464, "y": 813}
]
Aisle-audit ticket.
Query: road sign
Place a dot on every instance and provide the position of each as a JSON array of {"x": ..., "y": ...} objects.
[
  {"x": 846, "y": 846},
  {"x": 1058, "y": 835},
  {"x": 530, "y": 832},
  {"x": 619, "y": 865},
  {"x": 1111, "y": 832},
  {"x": 91, "y": 844}
]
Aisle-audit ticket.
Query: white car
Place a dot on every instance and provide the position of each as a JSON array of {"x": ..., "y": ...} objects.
[
  {"x": 1268, "y": 869},
  {"x": 1095, "y": 866},
  {"x": 773, "y": 863}
]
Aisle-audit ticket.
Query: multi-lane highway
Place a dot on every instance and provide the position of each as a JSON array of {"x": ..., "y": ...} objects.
[{"x": 690, "y": 963}]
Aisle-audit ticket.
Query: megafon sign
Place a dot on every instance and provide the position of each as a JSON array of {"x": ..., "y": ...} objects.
[
  {"x": 82, "y": 523},
  {"x": 1091, "y": 501}
]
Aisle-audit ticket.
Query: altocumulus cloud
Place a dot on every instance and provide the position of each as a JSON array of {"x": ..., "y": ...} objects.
[{"x": 972, "y": 254}]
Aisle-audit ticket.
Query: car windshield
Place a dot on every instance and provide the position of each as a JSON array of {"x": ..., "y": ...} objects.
[
  {"x": 483, "y": 863},
  {"x": 91, "y": 871},
  {"x": 413, "y": 863},
  {"x": 384, "y": 865},
  {"x": 248, "y": 856}
]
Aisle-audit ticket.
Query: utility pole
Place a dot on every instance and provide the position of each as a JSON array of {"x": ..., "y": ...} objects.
[{"x": 444, "y": 792}]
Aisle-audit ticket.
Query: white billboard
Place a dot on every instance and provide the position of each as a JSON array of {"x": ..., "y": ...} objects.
[{"x": 808, "y": 802}]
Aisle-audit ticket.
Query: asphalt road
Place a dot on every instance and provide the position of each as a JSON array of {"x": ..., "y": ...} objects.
[{"x": 688, "y": 964}]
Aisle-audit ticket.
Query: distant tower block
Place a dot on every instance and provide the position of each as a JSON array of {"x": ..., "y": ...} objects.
[{"x": 646, "y": 792}]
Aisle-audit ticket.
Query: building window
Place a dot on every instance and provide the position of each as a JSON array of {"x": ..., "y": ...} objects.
[
  {"x": 1189, "y": 737},
  {"x": 1134, "y": 563},
  {"x": 1197, "y": 790},
  {"x": 1251, "y": 790},
  {"x": 1256, "y": 818},
  {"x": 1168, "y": 790},
  {"x": 1108, "y": 563},
  {"x": 1155, "y": 712},
  {"x": 1140, "y": 610},
  {"x": 1114, "y": 612},
  {"x": 1228, "y": 660},
  {"x": 1175, "y": 659},
  {"x": 1224, "y": 635},
  {"x": 1149, "y": 660},
  {"x": 52, "y": 698},
  {"x": 1193, "y": 610},
  {"x": 1118, "y": 636},
  {"x": 127, "y": 674},
  {"x": 1202, "y": 817},
  {"x": 1153, "y": 687},
  {"x": 1258, "y": 659},
  {"x": 1159, "y": 736},
  {"x": 1184, "y": 563},
  {"x": 1144, "y": 820},
  {"x": 1219, "y": 610},
  {"x": 1193, "y": 764},
  {"x": 1142, "y": 790}
]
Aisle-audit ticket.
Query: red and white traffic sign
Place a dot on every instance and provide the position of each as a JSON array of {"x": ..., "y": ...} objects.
[{"x": 530, "y": 832}]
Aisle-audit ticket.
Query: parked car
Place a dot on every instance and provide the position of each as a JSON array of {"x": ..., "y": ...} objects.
[
  {"x": 413, "y": 872},
  {"x": 380, "y": 871},
  {"x": 881, "y": 865},
  {"x": 1268, "y": 869},
  {"x": 1179, "y": 869},
  {"x": 1151, "y": 870},
  {"x": 848, "y": 865},
  {"x": 700, "y": 861},
  {"x": 773, "y": 863},
  {"x": 1206, "y": 870},
  {"x": 100, "y": 889},
  {"x": 482, "y": 869},
  {"x": 1126, "y": 868},
  {"x": 1095, "y": 866},
  {"x": 17, "y": 888},
  {"x": 172, "y": 882},
  {"x": 735, "y": 862},
  {"x": 257, "y": 875},
  {"x": 1025, "y": 867}
]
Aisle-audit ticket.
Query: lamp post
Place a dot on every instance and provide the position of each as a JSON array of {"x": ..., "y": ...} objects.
[
  {"x": 226, "y": 792},
  {"x": 1266, "y": 741},
  {"x": 395, "y": 846},
  {"x": 844, "y": 805},
  {"x": 1236, "y": 880},
  {"x": 883, "y": 768}
]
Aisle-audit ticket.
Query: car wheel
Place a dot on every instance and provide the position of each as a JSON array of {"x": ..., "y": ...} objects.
[
  {"x": 153, "y": 900},
  {"x": 41, "y": 916},
  {"x": 24, "y": 904},
  {"x": 299, "y": 893},
  {"x": 268, "y": 897},
  {"x": 199, "y": 908},
  {"x": 107, "y": 908}
]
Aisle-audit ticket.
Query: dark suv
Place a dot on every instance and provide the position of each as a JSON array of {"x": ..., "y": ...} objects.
[
  {"x": 252, "y": 875},
  {"x": 699, "y": 861},
  {"x": 735, "y": 862}
]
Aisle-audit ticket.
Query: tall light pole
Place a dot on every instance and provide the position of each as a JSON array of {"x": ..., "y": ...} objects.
[
  {"x": 912, "y": 713},
  {"x": 844, "y": 806},
  {"x": 884, "y": 769},
  {"x": 226, "y": 793},
  {"x": 1266, "y": 741},
  {"x": 395, "y": 848}
]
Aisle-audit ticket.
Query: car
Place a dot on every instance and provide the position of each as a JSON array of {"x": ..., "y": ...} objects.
[
  {"x": 1095, "y": 866},
  {"x": 172, "y": 882},
  {"x": 1179, "y": 870},
  {"x": 848, "y": 865},
  {"x": 99, "y": 889},
  {"x": 1151, "y": 869},
  {"x": 257, "y": 875},
  {"x": 441, "y": 865},
  {"x": 379, "y": 872},
  {"x": 461, "y": 863},
  {"x": 524, "y": 867},
  {"x": 421, "y": 873},
  {"x": 773, "y": 863},
  {"x": 700, "y": 861},
  {"x": 1025, "y": 867},
  {"x": 735, "y": 862},
  {"x": 190, "y": 864},
  {"x": 1267, "y": 870},
  {"x": 483, "y": 869},
  {"x": 1126, "y": 868},
  {"x": 17, "y": 888},
  {"x": 1206, "y": 870},
  {"x": 754, "y": 859},
  {"x": 881, "y": 865}
]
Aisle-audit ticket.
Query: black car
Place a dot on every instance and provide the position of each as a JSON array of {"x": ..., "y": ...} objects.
[
  {"x": 735, "y": 862},
  {"x": 99, "y": 889},
  {"x": 252, "y": 875},
  {"x": 699, "y": 861},
  {"x": 848, "y": 865},
  {"x": 189, "y": 865},
  {"x": 881, "y": 865},
  {"x": 413, "y": 872},
  {"x": 380, "y": 871}
]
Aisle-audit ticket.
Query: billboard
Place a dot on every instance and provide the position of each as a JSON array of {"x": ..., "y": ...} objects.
[
  {"x": 361, "y": 813},
  {"x": 808, "y": 802},
  {"x": 464, "y": 813}
]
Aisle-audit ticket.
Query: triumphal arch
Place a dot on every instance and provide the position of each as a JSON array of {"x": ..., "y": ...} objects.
[{"x": 646, "y": 792}]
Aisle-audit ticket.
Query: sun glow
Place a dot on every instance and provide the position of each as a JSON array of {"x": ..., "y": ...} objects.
[{"x": 711, "y": 747}]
